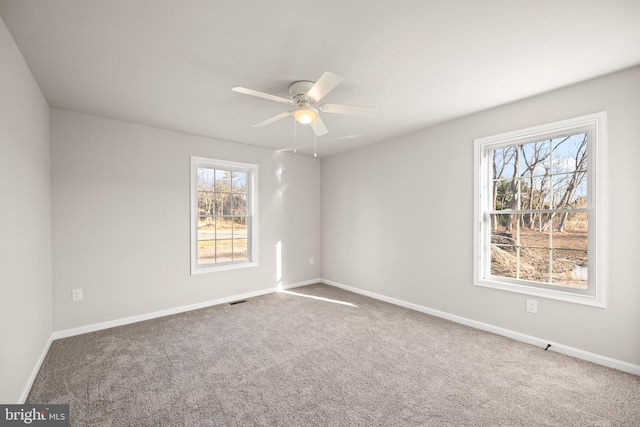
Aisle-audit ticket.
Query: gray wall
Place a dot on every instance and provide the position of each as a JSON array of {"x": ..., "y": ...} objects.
[
  {"x": 397, "y": 220},
  {"x": 121, "y": 219},
  {"x": 25, "y": 222}
]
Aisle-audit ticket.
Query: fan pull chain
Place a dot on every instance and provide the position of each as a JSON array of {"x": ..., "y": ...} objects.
[
  {"x": 315, "y": 138},
  {"x": 295, "y": 137}
]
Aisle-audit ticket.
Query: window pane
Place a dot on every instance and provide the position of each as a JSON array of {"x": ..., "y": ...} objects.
[
  {"x": 206, "y": 228},
  {"x": 579, "y": 198},
  {"x": 206, "y": 203},
  {"x": 503, "y": 225},
  {"x": 577, "y": 222},
  {"x": 534, "y": 264},
  {"x": 532, "y": 237},
  {"x": 570, "y": 254},
  {"x": 239, "y": 204},
  {"x": 206, "y": 250},
  {"x": 223, "y": 228},
  {"x": 527, "y": 159},
  {"x": 533, "y": 157},
  {"x": 570, "y": 268},
  {"x": 222, "y": 180},
  {"x": 205, "y": 244},
  {"x": 239, "y": 181},
  {"x": 504, "y": 261},
  {"x": 570, "y": 230},
  {"x": 564, "y": 160},
  {"x": 223, "y": 204},
  {"x": 570, "y": 153},
  {"x": 204, "y": 178},
  {"x": 239, "y": 227},
  {"x": 223, "y": 250},
  {"x": 239, "y": 249},
  {"x": 503, "y": 194},
  {"x": 504, "y": 162},
  {"x": 504, "y": 256},
  {"x": 559, "y": 184},
  {"x": 500, "y": 235},
  {"x": 544, "y": 194},
  {"x": 570, "y": 190},
  {"x": 570, "y": 170}
]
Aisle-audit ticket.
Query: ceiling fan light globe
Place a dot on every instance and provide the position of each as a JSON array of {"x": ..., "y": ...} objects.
[{"x": 305, "y": 115}]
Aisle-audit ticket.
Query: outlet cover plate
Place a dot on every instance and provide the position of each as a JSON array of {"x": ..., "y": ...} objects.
[{"x": 532, "y": 305}]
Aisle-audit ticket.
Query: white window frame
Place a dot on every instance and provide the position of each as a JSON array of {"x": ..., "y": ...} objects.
[
  {"x": 596, "y": 206},
  {"x": 252, "y": 211}
]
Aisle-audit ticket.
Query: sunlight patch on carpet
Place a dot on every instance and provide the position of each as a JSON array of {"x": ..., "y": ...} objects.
[{"x": 319, "y": 298}]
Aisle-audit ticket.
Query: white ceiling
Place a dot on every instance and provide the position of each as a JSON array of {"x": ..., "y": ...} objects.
[{"x": 172, "y": 64}]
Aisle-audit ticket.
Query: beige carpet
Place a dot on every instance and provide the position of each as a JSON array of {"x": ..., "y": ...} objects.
[{"x": 337, "y": 359}]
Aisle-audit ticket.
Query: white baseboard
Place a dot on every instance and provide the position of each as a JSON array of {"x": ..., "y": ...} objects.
[
  {"x": 557, "y": 347},
  {"x": 34, "y": 372},
  {"x": 153, "y": 315}
]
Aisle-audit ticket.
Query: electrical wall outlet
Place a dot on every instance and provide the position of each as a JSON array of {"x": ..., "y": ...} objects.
[
  {"x": 532, "y": 306},
  {"x": 76, "y": 294},
  {"x": 311, "y": 260}
]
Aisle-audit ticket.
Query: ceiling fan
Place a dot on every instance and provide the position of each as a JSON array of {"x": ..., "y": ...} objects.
[{"x": 304, "y": 97}]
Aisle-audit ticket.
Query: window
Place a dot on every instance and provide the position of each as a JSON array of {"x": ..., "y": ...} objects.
[
  {"x": 223, "y": 210},
  {"x": 539, "y": 211}
]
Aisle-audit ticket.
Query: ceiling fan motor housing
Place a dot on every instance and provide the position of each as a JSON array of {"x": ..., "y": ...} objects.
[{"x": 298, "y": 92}]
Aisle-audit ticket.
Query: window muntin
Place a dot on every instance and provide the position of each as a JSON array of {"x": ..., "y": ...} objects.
[
  {"x": 223, "y": 206},
  {"x": 536, "y": 206}
]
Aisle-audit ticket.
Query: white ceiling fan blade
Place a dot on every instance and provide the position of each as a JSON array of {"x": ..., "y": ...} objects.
[
  {"x": 353, "y": 110},
  {"x": 318, "y": 127},
  {"x": 262, "y": 95},
  {"x": 340, "y": 138},
  {"x": 272, "y": 119},
  {"x": 325, "y": 84}
]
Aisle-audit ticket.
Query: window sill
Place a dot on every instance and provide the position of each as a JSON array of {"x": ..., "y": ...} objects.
[
  {"x": 593, "y": 301},
  {"x": 225, "y": 267}
]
